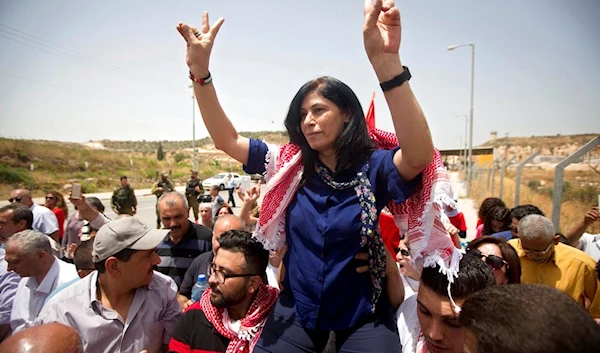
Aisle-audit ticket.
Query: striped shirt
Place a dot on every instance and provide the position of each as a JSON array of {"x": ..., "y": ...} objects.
[{"x": 176, "y": 258}]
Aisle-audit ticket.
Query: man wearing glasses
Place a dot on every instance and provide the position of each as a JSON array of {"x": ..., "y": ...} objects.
[
  {"x": 44, "y": 220},
  {"x": 231, "y": 313},
  {"x": 546, "y": 261}
]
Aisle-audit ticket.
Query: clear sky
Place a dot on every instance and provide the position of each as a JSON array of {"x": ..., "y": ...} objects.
[{"x": 116, "y": 69}]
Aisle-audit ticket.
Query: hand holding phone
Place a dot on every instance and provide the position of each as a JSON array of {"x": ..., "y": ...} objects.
[{"x": 76, "y": 191}]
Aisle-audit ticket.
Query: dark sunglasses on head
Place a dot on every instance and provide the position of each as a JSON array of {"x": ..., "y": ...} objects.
[
  {"x": 493, "y": 261},
  {"x": 14, "y": 199}
]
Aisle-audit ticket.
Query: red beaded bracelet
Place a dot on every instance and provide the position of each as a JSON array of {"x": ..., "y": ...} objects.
[{"x": 202, "y": 81}]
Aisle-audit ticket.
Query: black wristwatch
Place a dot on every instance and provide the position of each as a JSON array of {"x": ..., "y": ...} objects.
[{"x": 396, "y": 81}]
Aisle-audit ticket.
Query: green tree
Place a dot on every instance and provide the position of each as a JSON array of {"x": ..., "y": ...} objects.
[{"x": 160, "y": 154}]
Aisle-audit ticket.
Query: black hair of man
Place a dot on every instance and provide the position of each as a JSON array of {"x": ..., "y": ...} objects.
[
  {"x": 240, "y": 241},
  {"x": 20, "y": 212},
  {"x": 525, "y": 210},
  {"x": 95, "y": 203},
  {"x": 123, "y": 255},
  {"x": 528, "y": 318},
  {"x": 473, "y": 275},
  {"x": 82, "y": 258},
  {"x": 123, "y": 177}
]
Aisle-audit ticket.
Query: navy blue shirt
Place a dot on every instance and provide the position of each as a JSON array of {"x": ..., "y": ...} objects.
[
  {"x": 506, "y": 235},
  {"x": 175, "y": 259},
  {"x": 323, "y": 236}
]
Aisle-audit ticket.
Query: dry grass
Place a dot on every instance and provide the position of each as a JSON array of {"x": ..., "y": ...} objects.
[
  {"x": 572, "y": 209},
  {"x": 57, "y": 165}
]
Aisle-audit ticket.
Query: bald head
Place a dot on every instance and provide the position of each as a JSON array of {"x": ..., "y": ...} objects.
[
  {"x": 172, "y": 199},
  {"x": 223, "y": 224},
  {"x": 23, "y": 195},
  {"x": 47, "y": 338}
]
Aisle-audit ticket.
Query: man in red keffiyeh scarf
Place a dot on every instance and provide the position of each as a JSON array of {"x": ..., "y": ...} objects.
[{"x": 231, "y": 313}]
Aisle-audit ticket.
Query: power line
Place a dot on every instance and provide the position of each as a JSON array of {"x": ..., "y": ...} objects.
[{"x": 86, "y": 60}]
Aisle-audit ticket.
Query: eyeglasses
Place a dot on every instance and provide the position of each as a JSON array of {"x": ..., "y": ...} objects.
[
  {"x": 495, "y": 262},
  {"x": 536, "y": 252},
  {"x": 14, "y": 199},
  {"x": 211, "y": 269},
  {"x": 49, "y": 197},
  {"x": 403, "y": 251}
]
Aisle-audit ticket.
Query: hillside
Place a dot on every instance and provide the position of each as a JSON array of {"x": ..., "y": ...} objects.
[
  {"x": 97, "y": 165},
  {"x": 45, "y": 165}
]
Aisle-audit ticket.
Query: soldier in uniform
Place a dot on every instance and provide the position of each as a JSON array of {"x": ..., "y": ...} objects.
[
  {"x": 123, "y": 200},
  {"x": 192, "y": 190},
  {"x": 160, "y": 187}
]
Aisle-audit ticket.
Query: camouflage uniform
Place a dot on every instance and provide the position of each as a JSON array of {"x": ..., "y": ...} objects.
[
  {"x": 192, "y": 195},
  {"x": 167, "y": 187},
  {"x": 123, "y": 200}
]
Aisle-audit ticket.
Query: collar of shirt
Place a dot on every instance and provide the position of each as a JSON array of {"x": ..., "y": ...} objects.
[
  {"x": 517, "y": 246},
  {"x": 47, "y": 282},
  {"x": 107, "y": 313}
]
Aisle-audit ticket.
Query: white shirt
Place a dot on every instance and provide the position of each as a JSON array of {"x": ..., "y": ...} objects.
[
  {"x": 408, "y": 324},
  {"x": 589, "y": 244},
  {"x": 272, "y": 272},
  {"x": 44, "y": 219},
  {"x": 150, "y": 322},
  {"x": 30, "y": 295}
]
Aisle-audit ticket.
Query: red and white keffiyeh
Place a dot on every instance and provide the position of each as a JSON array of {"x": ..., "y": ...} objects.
[
  {"x": 418, "y": 216},
  {"x": 251, "y": 324}
]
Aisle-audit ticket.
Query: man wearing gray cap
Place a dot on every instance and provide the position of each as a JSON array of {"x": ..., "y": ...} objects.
[{"x": 123, "y": 306}]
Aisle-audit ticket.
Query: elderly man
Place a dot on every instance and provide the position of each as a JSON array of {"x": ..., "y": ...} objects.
[
  {"x": 186, "y": 240},
  {"x": 29, "y": 254},
  {"x": 546, "y": 261},
  {"x": 429, "y": 319},
  {"x": 48, "y": 338},
  {"x": 17, "y": 217},
  {"x": 198, "y": 266},
  {"x": 123, "y": 306},
  {"x": 231, "y": 313},
  {"x": 44, "y": 220},
  {"x": 527, "y": 318}
]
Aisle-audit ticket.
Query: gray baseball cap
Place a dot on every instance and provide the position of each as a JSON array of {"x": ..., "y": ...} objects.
[{"x": 125, "y": 233}]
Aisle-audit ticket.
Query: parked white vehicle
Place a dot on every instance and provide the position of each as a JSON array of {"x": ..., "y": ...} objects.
[{"x": 219, "y": 180}]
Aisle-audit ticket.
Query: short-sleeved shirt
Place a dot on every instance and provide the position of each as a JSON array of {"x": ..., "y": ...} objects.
[
  {"x": 175, "y": 259},
  {"x": 197, "y": 267},
  {"x": 589, "y": 244},
  {"x": 151, "y": 318},
  {"x": 569, "y": 270},
  {"x": 216, "y": 203},
  {"x": 31, "y": 295},
  {"x": 408, "y": 324},
  {"x": 194, "y": 333},
  {"x": 320, "y": 268},
  {"x": 44, "y": 219}
]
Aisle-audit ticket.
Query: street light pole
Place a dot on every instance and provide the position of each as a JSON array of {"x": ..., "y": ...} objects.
[
  {"x": 466, "y": 137},
  {"x": 470, "y": 155},
  {"x": 193, "y": 128}
]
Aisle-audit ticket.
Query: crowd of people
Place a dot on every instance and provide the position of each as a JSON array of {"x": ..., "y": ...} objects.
[{"x": 357, "y": 245}]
